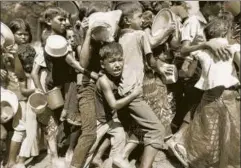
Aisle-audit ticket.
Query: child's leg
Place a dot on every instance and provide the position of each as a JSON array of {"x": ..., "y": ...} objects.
[
  {"x": 130, "y": 146},
  {"x": 118, "y": 141},
  {"x": 73, "y": 140},
  {"x": 148, "y": 156},
  {"x": 101, "y": 131},
  {"x": 97, "y": 160},
  {"x": 15, "y": 147},
  {"x": 155, "y": 131}
]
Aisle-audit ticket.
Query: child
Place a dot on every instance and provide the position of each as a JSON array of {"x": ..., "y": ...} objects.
[
  {"x": 71, "y": 99},
  {"x": 9, "y": 108},
  {"x": 106, "y": 103},
  {"x": 135, "y": 48},
  {"x": 22, "y": 35},
  {"x": 154, "y": 91},
  {"x": 56, "y": 20},
  {"x": 192, "y": 39},
  {"x": 212, "y": 138},
  {"x": 29, "y": 146}
]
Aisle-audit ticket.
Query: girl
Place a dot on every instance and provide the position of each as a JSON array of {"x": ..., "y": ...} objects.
[{"x": 212, "y": 138}]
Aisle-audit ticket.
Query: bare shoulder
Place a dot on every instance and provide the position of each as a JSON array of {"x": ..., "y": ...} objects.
[{"x": 103, "y": 83}]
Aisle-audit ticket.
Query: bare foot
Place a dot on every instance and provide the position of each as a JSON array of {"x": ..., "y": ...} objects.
[
  {"x": 121, "y": 162},
  {"x": 98, "y": 162},
  {"x": 69, "y": 154}
]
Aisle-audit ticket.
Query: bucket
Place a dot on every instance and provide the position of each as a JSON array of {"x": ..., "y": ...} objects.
[
  {"x": 55, "y": 99},
  {"x": 38, "y": 102}
]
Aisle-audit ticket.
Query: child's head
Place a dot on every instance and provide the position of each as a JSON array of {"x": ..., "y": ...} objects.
[
  {"x": 26, "y": 54},
  {"x": 56, "y": 19},
  {"x": 210, "y": 9},
  {"x": 131, "y": 15},
  {"x": 21, "y": 31},
  {"x": 217, "y": 28},
  {"x": 73, "y": 38},
  {"x": 111, "y": 55}
]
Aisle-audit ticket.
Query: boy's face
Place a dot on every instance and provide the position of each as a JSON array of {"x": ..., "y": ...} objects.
[
  {"x": 136, "y": 20},
  {"x": 71, "y": 38},
  {"x": 113, "y": 65},
  {"x": 6, "y": 112},
  {"x": 58, "y": 24},
  {"x": 21, "y": 37}
]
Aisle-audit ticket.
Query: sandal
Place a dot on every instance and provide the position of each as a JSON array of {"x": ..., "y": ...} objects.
[{"x": 179, "y": 151}]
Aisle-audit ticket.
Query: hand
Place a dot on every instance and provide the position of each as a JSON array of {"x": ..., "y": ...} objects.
[
  {"x": 3, "y": 74},
  {"x": 171, "y": 27},
  {"x": 85, "y": 23},
  {"x": 37, "y": 90},
  {"x": 165, "y": 69},
  {"x": 137, "y": 90},
  {"x": 220, "y": 51}
]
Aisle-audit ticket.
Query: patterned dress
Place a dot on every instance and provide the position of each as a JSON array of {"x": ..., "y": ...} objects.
[{"x": 213, "y": 137}]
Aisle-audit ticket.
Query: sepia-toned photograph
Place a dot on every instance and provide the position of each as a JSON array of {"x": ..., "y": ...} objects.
[{"x": 120, "y": 84}]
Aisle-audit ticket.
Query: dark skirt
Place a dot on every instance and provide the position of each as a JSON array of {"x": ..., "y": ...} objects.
[{"x": 213, "y": 137}]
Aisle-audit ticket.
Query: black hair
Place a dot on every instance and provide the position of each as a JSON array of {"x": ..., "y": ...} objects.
[
  {"x": 26, "y": 54},
  {"x": 218, "y": 27},
  {"x": 18, "y": 24},
  {"x": 128, "y": 9},
  {"x": 110, "y": 49}
]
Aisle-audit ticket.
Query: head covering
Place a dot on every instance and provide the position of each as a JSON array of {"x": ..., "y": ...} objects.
[
  {"x": 9, "y": 97},
  {"x": 7, "y": 37}
]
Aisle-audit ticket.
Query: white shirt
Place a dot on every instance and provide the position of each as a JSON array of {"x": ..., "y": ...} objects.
[{"x": 220, "y": 73}]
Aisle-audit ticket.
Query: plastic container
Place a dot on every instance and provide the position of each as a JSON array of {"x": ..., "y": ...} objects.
[
  {"x": 172, "y": 78},
  {"x": 38, "y": 102},
  {"x": 55, "y": 99}
]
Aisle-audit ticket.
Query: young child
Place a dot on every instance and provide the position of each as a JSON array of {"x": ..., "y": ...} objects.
[
  {"x": 9, "y": 108},
  {"x": 136, "y": 48},
  {"x": 29, "y": 146},
  {"x": 212, "y": 138},
  {"x": 71, "y": 103},
  {"x": 22, "y": 35},
  {"x": 56, "y": 19},
  {"x": 107, "y": 103}
]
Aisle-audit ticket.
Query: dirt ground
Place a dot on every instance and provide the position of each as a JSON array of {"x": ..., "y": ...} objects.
[{"x": 161, "y": 161}]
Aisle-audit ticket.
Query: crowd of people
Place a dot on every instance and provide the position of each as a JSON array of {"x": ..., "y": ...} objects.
[{"x": 124, "y": 86}]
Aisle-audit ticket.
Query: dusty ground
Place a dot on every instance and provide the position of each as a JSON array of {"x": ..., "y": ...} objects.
[{"x": 43, "y": 161}]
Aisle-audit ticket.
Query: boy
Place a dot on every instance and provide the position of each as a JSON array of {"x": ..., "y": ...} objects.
[
  {"x": 56, "y": 19},
  {"x": 136, "y": 48},
  {"x": 106, "y": 102}
]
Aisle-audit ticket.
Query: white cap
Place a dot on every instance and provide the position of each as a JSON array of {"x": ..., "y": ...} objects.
[{"x": 11, "y": 98}]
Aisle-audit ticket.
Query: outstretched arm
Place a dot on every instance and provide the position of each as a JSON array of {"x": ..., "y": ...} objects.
[
  {"x": 110, "y": 98},
  {"x": 76, "y": 65}
]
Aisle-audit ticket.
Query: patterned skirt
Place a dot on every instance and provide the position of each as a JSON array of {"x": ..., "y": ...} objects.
[{"x": 213, "y": 137}]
